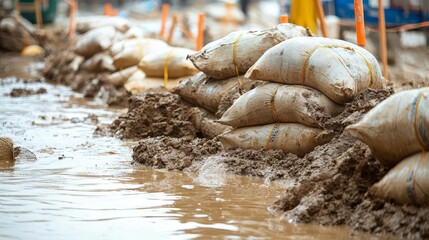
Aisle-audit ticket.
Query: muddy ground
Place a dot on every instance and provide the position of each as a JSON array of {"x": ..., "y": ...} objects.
[{"x": 328, "y": 186}]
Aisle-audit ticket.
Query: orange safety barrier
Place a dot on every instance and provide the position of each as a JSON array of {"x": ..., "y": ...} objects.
[
  {"x": 360, "y": 23},
  {"x": 164, "y": 14},
  {"x": 200, "y": 36}
]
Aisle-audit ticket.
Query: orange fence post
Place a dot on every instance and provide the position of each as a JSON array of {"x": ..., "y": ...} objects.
[
  {"x": 164, "y": 14},
  {"x": 284, "y": 18},
  {"x": 107, "y": 9},
  {"x": 360, "y": 23},
  {"x": 321, "y": 14},
  {"x": 382, "y": 31},
  {"x": 200, "y": 36},
  {"x": 173, "y": 26},
  {"x": 72, "y": 17}
]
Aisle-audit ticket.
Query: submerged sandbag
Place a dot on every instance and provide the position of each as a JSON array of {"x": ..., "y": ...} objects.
[
  {"x": 289, "y": 137},
  {"x": 129, "y": 52},
  {"x": 337, "y": 68},
  {"x": 85, "y": 24},
  {"x": 119, "y": 78},
  {"x": 397, "y": 127},
  {"x": 96, "y": 41},
  {"x": 216, "y": 59},
  {"x": 100, "y": 62},
  {"x": 172, "y": 60},
  {"x": 407, "y": 182},
  {"x": 208, "y": 93},
  {"x": 274, "y": 102}
]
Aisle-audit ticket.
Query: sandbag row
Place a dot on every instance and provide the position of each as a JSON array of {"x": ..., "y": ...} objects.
[
  {"x": 126, "y": 58},
  {"x": 397, "y": 132}
]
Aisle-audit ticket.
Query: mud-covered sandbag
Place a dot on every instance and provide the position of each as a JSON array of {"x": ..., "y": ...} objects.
[
  {"x": 96, "y": 41},
  {"x": 216, "y": 59},
  {"x": 100, "y": 62},
  {"x": 205, "y": 122},
  {"x": 208, "y": 93},
  {"x": 289, "y": 137},
  {"x": 119, "y": 78},
  {"x": 6, "y": 149},
  {"x": 407, "y": 182},
  {"x": 397, "y": 127},
  {"x": 273, "y": 102},
  {"x": 173, "y": 60},
  {"x": 16, "y": 33},
  {"x": 129, "y": 52},
  {"x": 336, "y": 68},
  {"x": 85, "y": 24}
]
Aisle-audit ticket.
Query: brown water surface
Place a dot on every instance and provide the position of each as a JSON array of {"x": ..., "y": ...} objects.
[{"x": 82, "y": 187}]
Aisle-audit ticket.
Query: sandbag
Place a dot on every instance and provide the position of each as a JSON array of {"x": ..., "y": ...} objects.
[
  {"x": 397, "y": 127},
  {"x": 129, "y": 52},
  {"x": 208, "y": 93},
  {"x": 139, "y": 83},
  {"x": 134, "y": 32},
  {"x": 100, "y": 62},
  {"x": 272, "y": 102},
  {"x": 220, "y": 12},
  {"x": 407, "y": 182},
  {"x": 96, "y": 41},
  {"x": 85, "y": 24},
  {"x": 205, "y": 123},
  {"x": 216, "y": 59},
  {"x": 16, "y": 33},
  {"x": 289, "y": 137},
  {"x": 6, "y": 149},
  {"x": 336, "y": 68},
  {"x": 173, "y": 59},
  {"x": 119, "y": 78}
]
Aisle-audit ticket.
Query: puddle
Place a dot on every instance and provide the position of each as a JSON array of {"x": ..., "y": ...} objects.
[{"x": 82, "y": 187}]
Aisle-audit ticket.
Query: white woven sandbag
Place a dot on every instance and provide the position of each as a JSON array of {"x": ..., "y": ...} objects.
[
  {"x": 275, "y": 102},
  {"x": 407, "y": 182},
  {"x": 96, "y": 41},
  {"x": 100, "y": 62},
  {"x": 139, "y": 83},
  {"x": 85, "y": 24},
  {"x": 119, "y": 78},
  {"x": 129, "y": 52},
  {"x": 337, "y": 68},
  {"x": 168, "y": 60},
  {"x": 238, "y": 51},
  {"x": 397, "y": 127},
  {"x": 208, "y": 93},
  {"x": 289, "y": 137}
]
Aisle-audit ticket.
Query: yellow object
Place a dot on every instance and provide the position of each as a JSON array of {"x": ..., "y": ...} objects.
[
  {"x": 167, "y": 59},
  {"x": 303, "y": 13},
  {"x": 32, "y": 50}
]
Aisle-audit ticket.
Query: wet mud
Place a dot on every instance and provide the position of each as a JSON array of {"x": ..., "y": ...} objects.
[
  {"x": 328, "y": 186},
  {"x": 22, "y": 92}
]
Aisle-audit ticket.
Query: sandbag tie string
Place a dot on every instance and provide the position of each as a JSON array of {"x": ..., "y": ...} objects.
[
  {"x": 271, "y": 136},
  {"x": 414, "y": 114},
  {"x": 272, "y": 104},
  {"x": 371, "y": 72},
  {"x": 234, "y": 58},
  {"x": 167, "y": 59}
]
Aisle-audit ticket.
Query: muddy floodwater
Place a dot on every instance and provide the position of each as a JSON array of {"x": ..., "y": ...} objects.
[{"x": 83, "y": 187}]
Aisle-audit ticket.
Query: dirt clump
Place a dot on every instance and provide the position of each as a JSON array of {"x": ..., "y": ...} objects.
[
  {"x": 22, "y": 92},
  {"x": 156, "y": 114}
]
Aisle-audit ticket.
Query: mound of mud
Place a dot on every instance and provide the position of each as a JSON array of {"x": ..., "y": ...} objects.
[{"x": 328, "y": 186}]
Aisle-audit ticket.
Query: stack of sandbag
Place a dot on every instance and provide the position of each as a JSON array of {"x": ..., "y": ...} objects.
[
  {"x": 277, "y": 116},
  {"x": 96, "y": 40},
  {"x": 397, "y": 132},
  {"x": 336, "y": 68},
  {"x": 314, "y": 77}
]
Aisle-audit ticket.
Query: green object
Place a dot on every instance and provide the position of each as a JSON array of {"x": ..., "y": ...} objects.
[{"x": 49, "y": 11}]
